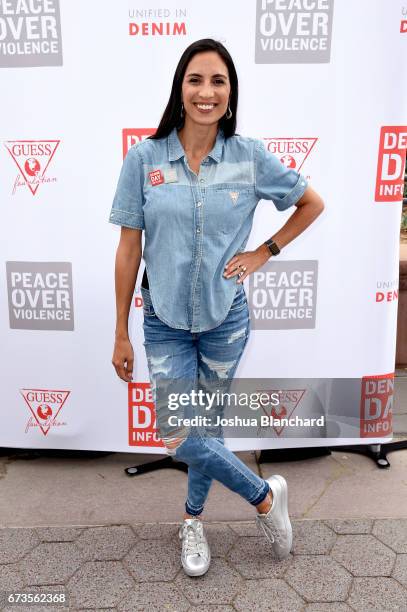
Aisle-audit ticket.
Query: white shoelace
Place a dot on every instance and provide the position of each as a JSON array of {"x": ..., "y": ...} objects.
[
  {"x": 194, "y": 539},
  {"x": 271, "y": 532}
]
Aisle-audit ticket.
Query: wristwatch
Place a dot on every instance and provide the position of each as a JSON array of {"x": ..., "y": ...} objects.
[{"x": 272, "y": 247}]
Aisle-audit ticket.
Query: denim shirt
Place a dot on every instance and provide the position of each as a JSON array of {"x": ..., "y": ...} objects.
[{"x": 194, "y": 224}]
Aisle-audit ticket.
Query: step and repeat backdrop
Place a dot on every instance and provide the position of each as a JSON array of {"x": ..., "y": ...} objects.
[{"x": 321, "y": 83}]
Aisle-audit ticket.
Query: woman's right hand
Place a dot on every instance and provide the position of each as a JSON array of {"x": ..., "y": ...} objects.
[{"x": 123, "y": 359}]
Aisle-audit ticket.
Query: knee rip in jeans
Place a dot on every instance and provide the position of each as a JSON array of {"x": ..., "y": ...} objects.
[
  {"x": 172, "y": 443},
  {"x": 220, "y": 367},
  {"x": 157, "y": 365},
  {"x": 240, "y": 333}
]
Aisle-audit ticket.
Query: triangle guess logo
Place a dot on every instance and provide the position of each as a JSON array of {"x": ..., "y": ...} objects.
[
  {"x": 288, "y": 402},
  {"x": 44, "y": 405},
  {"x": 234, "y": 195},
  {"x": 32, "y": 158}
]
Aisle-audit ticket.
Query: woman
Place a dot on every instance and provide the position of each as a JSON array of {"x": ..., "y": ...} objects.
[{"x": 193, "y": 187}]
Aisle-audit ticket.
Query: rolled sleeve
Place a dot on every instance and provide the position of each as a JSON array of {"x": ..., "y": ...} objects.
[
  {"x": 127, "y": 207},
  {"x": 274, "y": 181}
]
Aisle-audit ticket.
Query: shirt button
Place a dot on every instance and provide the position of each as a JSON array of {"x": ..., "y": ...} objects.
[
  {"x": 198, "y": 231},
  {"x": 199, "y": 203},
  {"x": 201, "y": 180}
]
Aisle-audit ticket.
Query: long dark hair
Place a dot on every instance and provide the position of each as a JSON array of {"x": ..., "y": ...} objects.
[{"x": 172, "y": 115}]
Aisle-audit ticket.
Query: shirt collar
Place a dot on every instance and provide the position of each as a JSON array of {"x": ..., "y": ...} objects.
[{"x": 176, "y": 150}]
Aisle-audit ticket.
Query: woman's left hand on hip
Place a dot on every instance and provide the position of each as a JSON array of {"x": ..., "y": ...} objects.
[{"x": 247, "y": 262}]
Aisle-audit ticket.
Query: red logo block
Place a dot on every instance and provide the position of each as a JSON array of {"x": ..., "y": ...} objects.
[
  {"x": 391, "y": 163},
  {"x": 142, "y": 421},
  {"x": 376, "y": 406},
  {"x": 156, "y": 177},
  {"x": 131, "y": 136}
]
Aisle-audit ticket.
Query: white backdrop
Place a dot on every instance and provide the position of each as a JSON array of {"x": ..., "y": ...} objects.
[{"x": 336, "y": 112}]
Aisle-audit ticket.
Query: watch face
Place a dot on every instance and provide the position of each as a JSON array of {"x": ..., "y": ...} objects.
[{"x": 273, "y": 248}]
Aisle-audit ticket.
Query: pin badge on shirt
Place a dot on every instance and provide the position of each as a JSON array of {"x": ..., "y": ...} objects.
[
  {"x": 156, "y": 177},
  {"x": 234, "y": 195}
]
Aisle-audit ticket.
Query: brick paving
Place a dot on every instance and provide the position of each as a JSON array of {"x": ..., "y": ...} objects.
[{"x": 335, "y": 566}]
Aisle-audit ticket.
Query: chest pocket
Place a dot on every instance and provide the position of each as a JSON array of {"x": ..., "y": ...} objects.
[
  {"x": 167, "y": 207},
  {"x": 226, "y": 207}
]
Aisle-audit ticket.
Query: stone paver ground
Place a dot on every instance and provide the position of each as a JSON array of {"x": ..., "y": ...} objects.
[{"x": 335, "y": 565}]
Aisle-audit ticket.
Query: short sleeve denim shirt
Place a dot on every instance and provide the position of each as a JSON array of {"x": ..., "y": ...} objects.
[{"x": 194, "y": 224}]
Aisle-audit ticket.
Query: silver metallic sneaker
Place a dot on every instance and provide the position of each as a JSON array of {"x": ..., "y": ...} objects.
[
  {"x": 276, "y": 524},
  {"x": 195, "y": 556}
]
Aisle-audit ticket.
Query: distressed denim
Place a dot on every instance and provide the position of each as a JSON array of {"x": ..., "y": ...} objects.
[
  {"x": 202, "y": 357},
  {"x": 195, "y": 223}
]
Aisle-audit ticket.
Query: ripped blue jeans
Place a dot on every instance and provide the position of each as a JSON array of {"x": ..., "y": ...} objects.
[{"x": 198, "y": 357}]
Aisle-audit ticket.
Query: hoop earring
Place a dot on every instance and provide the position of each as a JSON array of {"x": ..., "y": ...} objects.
[
  {"x": 182, "y": 109},
  {"x": 229, "y": 112}
]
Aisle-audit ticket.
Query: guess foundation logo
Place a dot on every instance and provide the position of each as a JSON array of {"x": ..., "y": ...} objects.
[
  {"x": 391, "y": 163},
  {"x": 376, "y": 406},
  {"x": 156, "y": 177},
  {"x": 288, "y": 402},
  {"x": 142, "y": 421},
  {"x": 32, "y": 158},
  {"x": 292, "y": 152},
  {"x": 45, "y": 406}
]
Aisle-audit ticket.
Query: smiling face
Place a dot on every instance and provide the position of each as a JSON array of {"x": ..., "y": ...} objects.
[{"x": 206, "y": 82}]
